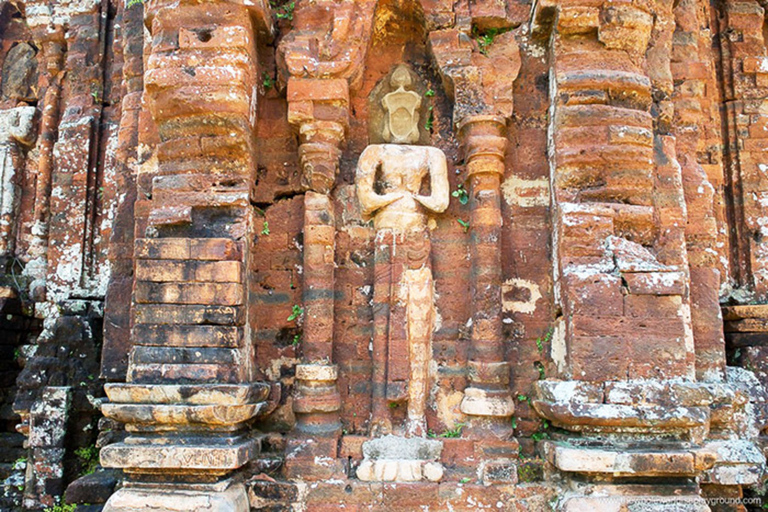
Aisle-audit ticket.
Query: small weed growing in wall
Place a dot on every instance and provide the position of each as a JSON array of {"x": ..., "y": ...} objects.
[
  {"x": 541, "y": 434},
  {"x": 296, "y": 340},
  {"x": 296, "y": 312},
  {"x": 284, "y": 11},
  {"x": 430, "y": 119},
  {"x": 464, "y": 224},
  {"x": 267, "y": 81},
  {"x": 89, "y": 458},
  {"x": 461, "y": 194},
  {"x": 465, "y": 480},
  {"x": 429, "y": 93},
  {"x": 485, "y": 39},
  {"x": 448, "y": 434},
  {"x": 131, "y": 3},
  {"x": 541, "y": 341},
  {"x": 454, "y": 432},
  {"x": 62, "y": 507},
  {"x": 265, "y": 228}
]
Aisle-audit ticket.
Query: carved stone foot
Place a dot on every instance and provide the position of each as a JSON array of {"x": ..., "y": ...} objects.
[{"x": 400, "y": 459}]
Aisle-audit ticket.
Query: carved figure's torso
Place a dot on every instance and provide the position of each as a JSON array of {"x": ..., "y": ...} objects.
[{"x": 402, "y": 169}]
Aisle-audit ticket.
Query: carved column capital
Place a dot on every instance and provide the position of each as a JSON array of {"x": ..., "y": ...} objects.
[
  {"x": 483, "y": 139},
  {"x": 318, "y": 109}
]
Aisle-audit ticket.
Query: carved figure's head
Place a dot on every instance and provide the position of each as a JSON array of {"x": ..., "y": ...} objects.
[{"x": 400, "y": 78}]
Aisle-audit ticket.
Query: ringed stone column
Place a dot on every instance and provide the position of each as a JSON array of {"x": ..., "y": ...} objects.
[
  {"x": 488, "y": 396},
  {"x": 190, "y": 394},
  {"x": 318, "y": 109}
]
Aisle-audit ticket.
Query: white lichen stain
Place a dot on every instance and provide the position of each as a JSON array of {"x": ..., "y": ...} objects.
[
  {"x": 520, "y": 306},
  {"x": 558, "y": 349},
  {"x": 525, "y": 193}
]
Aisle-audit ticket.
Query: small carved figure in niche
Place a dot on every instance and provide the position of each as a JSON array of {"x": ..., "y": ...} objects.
[
  {"x": 390, "y": 179},
  {"x": 17, "y": 130},
  {"x": 19, "y": 74},
  {"x": 401, "y": 125}
]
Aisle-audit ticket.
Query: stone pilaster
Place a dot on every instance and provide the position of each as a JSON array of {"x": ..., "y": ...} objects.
[
  {"x": 318, "y": 110},
  {"x": 189, "y": 393},
  {"x": 488, "y": 396},
  {"x": 47, "y": 432},
  {"x": 621, "y": 266}
]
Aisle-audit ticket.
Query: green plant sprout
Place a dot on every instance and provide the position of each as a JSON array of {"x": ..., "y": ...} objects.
[
  {"x": 89, "y": 457},
  {"x": 485, "y": 39},
  {"x": 62, "y": 507},
  {"x": 464, "y": 224},
  {"x": 429, "y": 93},
  {"x": 430, "y": 120},
  {"x": 296, "y": 312},
  {"x": 453, "y": 432},
  {"x": 547, "y": 336},
  {"x": 448, "y": 434},
  {"x": 265, "y": 228},
  {"x": 285, "y": 11},
  {"x": 267, "y": 81},
  {"x": 461, "y": 193}
]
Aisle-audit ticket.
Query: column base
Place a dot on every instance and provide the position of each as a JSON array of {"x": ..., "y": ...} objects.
[
  {"x": 208, "y": 458},
  {"x": 313, "y": 458},
  {"x": 166, "y": 497},
  {"x": 481, "y": 402}
]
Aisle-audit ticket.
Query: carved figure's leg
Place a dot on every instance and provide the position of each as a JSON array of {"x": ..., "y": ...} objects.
[
  {"x": 398, "y": 358},
  {"x": 382, "y": 268},
  {"x": 420, "y": 307},
  {"x": 420, "y": 322}
]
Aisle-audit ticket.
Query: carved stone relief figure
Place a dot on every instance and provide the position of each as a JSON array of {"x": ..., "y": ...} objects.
[
  {"x": 16, "y": 131},
  {"x": 390, "y": 187},
  {"x": 401, "y": 123}
]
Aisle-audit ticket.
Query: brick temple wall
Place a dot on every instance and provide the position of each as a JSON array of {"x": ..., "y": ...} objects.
[{"x": 156, "y": 209}]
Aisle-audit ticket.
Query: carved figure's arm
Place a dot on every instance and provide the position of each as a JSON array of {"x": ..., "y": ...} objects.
[
  {"x": 438, "y": 199},
  {"x": 370, "y": 201}
]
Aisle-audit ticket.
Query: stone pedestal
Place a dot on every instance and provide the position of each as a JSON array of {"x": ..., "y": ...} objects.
[
  {"x": 227, "y": 496},
  {"x": 650, "y": 430},
  {"x": 185, "y": 443},
  {"x": 400, "y": 459}
]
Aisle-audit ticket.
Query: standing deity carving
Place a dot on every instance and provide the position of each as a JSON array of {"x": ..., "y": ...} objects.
[{"x": 392, "y": 187}]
